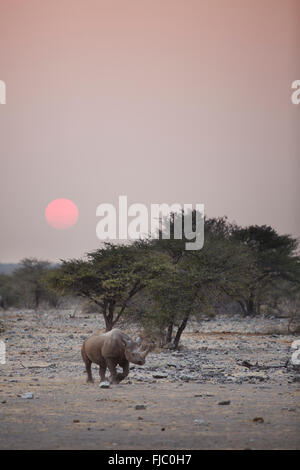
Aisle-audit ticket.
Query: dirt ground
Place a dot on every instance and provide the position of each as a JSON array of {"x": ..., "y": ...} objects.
[{"x": 180, "y": 412}]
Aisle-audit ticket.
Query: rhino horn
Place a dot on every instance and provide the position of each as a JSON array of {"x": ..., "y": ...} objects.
[{"x": 144, "y": 353}]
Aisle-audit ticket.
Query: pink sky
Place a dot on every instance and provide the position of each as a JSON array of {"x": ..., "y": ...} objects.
[{"x": 163, "y": 101}]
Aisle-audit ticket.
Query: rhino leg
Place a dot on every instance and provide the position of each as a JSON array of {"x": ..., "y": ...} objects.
[
  {"x": 102, "y": 370},
  {"x": 125, "y": 367},
  {"x": 113, "y": 372},
  {"x": 88, "y": 365}
]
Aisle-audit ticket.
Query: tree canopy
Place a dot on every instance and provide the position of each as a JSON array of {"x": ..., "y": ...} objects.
[{"x": 110, "y": 277}]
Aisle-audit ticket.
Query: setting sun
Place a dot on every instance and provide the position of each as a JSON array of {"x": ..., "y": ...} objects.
[{"x": 61, "y": 213}]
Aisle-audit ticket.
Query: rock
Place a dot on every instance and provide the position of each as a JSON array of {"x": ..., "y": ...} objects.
[
  {"x": 104, "y": 384},
  {"x": 37, "y": 365},
  {"x": 199, "y": 421},
  {"x": 258, "y": 420},
  {"x": 186, "y": 378},
  {"x": 232, "y": 379},
  {"x": 28, "y": 395},
  {"x": 169, "y": 346},
  {"x": 161, "y": 375},
  {"x": 224, "y": 402},
  {"x": 140, "y": 407},
  {"x": 296, "y": 379},
  {"x": 247, "y": 364}
]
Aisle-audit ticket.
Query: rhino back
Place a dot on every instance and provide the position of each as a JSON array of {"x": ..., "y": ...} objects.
[
  {"x": 113, "y": 345},
  {"x": 105, "y": 345}
]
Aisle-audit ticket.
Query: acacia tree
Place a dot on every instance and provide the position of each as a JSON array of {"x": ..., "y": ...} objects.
[
  {"x": 29, "y": 285},
  {"x": 110, "y": 277},
  {"x": 198, "y": 281},
  {"x": 198, "y": 278},
  {"x": 9, "y": 294},
  {"x": 276, "y": 261}
]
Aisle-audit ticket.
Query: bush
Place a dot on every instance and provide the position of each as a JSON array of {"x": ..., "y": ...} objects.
[{"x": 10, "y": 295}]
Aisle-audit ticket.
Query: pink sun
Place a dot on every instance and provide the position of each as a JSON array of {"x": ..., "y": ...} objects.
[{"x": 61, "y": 213}]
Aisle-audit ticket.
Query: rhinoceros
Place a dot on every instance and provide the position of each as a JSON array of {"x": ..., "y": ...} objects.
[{"x": 109, "y": 350}]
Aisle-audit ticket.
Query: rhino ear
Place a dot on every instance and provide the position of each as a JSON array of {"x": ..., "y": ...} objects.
[{"x": 128, "y": 343}]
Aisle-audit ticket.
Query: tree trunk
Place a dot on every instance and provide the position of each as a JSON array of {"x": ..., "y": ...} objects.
[
  {"x": 180, "y": 330},
  {"x": 108, "y": 322},
  {"x": 243, "y": 307},
  {"x": 251, "y": 307},
  {"x": 36, "y": 298},
  {"x": 169, "y": 333},
  {"x": 108, "y": 317}
]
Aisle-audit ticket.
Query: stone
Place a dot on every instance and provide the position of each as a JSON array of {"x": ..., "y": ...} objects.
[
  {"x": 186, "y": 378},
  {"x": 37, "y": 365},
  {"x": 28, "y": 395},
  {"x": 199, "y": 421},
  {"x": 259, "y": 419},
  {"x": 104, "y": 384}
]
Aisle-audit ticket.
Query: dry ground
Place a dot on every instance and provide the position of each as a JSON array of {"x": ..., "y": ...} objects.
[{"x": 67, "y": 413}]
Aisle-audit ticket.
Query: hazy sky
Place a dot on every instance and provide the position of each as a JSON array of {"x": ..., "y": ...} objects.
[{"x": 160, "y": 100}]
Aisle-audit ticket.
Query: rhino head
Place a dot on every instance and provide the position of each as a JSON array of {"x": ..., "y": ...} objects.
[{"x": 134, "y": 353}]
